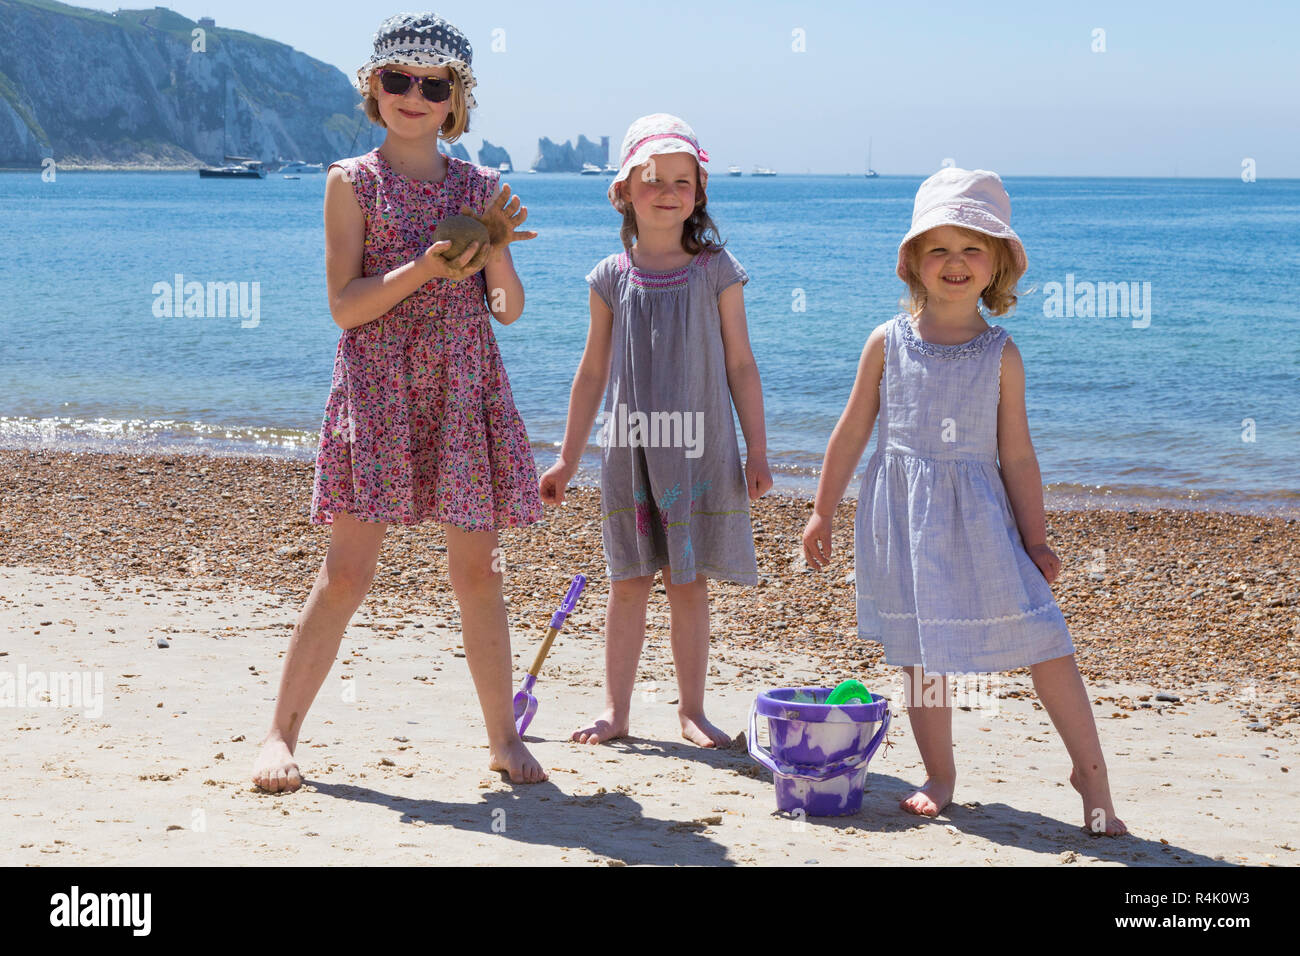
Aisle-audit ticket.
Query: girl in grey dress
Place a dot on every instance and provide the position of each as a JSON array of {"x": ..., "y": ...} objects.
[
  {"x": 669, "y": 350},
  {"x": 950, "y": 543}
]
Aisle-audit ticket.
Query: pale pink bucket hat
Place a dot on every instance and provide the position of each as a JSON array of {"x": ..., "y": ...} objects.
[
  {"x": 971, "y": 198},
  {"x": 651, "y": 136}
]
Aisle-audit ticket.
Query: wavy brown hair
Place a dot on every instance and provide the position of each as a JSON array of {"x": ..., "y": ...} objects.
[
  {"x": 456, "y": 123},
  {"x": 999, "y": 296},
  {"x": 699, "y": 232}
]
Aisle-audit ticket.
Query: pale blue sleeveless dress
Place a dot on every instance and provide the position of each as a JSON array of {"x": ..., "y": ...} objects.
[{"x": 943, "y": 579}]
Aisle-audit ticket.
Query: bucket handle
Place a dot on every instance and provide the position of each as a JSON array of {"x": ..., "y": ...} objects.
[{"x": 811, "y": 771}]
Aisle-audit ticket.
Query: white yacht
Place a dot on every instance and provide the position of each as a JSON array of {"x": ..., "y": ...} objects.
[
  {"x": 237, "y": 167},
  {"x": 733, "y": 171},
  {"x": 590, "y": 169},
  {"x": 298, "y": 167}
]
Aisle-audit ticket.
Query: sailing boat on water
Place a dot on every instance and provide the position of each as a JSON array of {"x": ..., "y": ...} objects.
[
  {"x": 237, "y": 167},
  {"x": 871, "y": 173}
]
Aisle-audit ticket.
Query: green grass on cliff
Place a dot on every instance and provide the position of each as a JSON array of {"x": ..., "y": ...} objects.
[
  {"x": 50, "y": 6},
  {"x": 10, "y": 94},
  {"x": 164, "y": 21},
  {"x": 167, "y": 21}
]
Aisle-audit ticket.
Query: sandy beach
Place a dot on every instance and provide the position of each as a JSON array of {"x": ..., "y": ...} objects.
[{"x": 1186, "y": 625}]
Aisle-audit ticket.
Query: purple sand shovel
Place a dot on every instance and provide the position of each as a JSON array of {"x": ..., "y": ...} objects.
[{"x": 525, "y": 702}]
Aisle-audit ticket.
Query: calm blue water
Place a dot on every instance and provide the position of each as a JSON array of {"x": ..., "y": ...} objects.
[{"x": 1118, "y": 414}]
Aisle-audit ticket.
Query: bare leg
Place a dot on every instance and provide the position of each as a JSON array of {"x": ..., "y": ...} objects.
[
  {"x": 690, "y": 640},
  {"x": 624, "y": 637},
  {"x": 472, "y": 557},
  {"x": 931, "y": 719},
  {"x": 1060, "y": 688},
  {"x": 341, "y": 586}
]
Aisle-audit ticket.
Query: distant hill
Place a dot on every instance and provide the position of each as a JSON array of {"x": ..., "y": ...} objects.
[{"x": 91, "y": 88}]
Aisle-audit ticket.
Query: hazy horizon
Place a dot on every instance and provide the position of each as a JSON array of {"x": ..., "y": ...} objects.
[{"x": 1177, "y": 91}]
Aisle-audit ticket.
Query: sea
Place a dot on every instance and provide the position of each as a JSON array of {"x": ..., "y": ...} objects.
[{"x": 1157, "y": 321}]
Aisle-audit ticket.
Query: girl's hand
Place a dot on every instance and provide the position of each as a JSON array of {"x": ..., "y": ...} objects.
[
  {"x": 817, "y": 541},
  {"x": 473, "y": 259},
  {"x": 1047, "y": 561},
  {"x": 553, "y": 482},
  {"x": 503, "y": 217},
  {"x": 757, "y": 476}
]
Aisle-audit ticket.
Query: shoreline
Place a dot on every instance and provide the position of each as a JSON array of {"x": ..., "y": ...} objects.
[
  {"x": 789, "y": 480},
  {"x": 106, "y": 168},
  {"x": 1179, "y": 599},
  {"x": 850, "y": 174}
]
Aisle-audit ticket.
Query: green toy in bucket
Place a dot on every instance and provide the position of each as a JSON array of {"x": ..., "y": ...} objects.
[{"x": 849, "y": 690}]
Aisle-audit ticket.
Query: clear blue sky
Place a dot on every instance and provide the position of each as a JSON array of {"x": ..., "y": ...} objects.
[{"x": 1183, "y": 88}]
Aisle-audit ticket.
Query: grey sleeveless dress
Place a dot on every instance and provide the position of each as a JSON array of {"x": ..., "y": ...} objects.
[
  {"x": 943, "y": 579},
  {"x": 672, "y": 486}
]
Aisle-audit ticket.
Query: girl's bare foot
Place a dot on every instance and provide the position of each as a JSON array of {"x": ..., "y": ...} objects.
[
  {"x": 606, "y": 727},
  {"x": 515, "y": 759},
  {"x": 930, "y": 800},
  {"x": 275, "y": 770},
  {"x": 1098, "y": 811},
  {"x": 697, "y": 729}
]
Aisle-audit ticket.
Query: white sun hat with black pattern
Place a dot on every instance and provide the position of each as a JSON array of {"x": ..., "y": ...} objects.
[{"x": 421, "y": 39}]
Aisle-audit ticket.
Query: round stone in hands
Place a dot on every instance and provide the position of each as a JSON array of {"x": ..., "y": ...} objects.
[{"x": 460, "y": 231}]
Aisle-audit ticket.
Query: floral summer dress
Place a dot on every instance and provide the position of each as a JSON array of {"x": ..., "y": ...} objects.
[
  {"x": 943, "y": 578},
  {"x": 420, "y": 424},
  {"x": 672, "y": 488}
]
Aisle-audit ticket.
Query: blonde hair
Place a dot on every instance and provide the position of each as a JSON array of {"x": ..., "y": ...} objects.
[
  {"x": 456, "y": 123},
  {"x": 999, "y": 296}
]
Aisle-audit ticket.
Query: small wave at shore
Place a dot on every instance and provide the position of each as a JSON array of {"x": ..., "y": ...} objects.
[
  {"x": 159, "y": 436},
  {"x": 791, "y": 473}
]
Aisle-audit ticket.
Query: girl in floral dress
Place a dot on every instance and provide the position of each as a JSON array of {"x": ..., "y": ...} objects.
[{"x": 420, "y": 424}]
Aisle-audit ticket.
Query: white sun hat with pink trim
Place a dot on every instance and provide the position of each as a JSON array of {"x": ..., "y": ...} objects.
[
  {"x": 970, "y": 198},
  {"x": 654, "y": 135}
]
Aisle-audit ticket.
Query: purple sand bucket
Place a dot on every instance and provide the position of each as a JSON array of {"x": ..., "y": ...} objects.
[{"x": 819, "y": 752}]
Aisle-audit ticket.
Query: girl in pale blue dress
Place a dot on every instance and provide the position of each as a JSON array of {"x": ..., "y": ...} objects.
[{"x": 950, "y": 545}]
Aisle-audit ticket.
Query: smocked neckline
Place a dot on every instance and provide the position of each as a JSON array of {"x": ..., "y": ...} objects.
[
  {"x": 666, "y": 272},
  {"x": 423, "y": 183},
  {"x": 945, "y": 351}
]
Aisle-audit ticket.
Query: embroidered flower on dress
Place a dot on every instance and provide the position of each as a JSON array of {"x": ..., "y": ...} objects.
[
  {"x": 697, "y": 491},
  {"x": 666, "y": 501},
  {"x": 642, "y": 511},
  {"x": 670, "y": 496}
]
